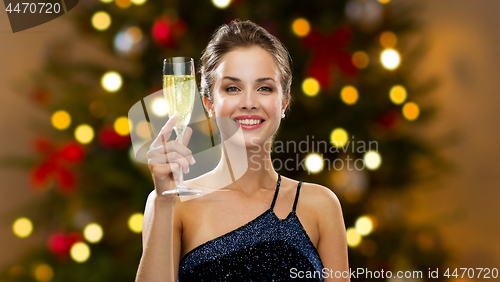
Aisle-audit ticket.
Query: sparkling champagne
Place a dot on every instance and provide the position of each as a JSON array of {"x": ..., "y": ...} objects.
[{"x": 179, "y": 92}]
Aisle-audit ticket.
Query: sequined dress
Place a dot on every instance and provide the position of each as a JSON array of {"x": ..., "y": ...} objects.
[{"x": 265, "y": 249}]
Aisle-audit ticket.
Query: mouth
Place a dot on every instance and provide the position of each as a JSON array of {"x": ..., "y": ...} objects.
[{"x": 251, "y": 122}]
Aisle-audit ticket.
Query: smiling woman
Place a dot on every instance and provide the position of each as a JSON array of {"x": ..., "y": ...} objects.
[{"x": 255, "y": 228}]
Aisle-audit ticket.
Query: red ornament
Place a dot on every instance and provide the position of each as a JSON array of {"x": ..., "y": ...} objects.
[
  {"x": 60, "y": 243},
  {"x": 54, "y": 166},
  {"x": 110, "y": 139},
  {"x": 329, "y": 53},
  {"x": 162, "y": 32}
]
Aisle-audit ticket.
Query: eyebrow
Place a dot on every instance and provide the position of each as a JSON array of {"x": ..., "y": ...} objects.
[{"x": 257, "y": 80}]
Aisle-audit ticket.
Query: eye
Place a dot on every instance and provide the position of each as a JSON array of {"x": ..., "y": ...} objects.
[
  {"x": 267, "y": 89},
  {"x": 232, "y": 89}
]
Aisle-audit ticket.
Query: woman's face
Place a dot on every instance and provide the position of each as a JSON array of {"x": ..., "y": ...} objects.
[{"x": 247, "y": 90}]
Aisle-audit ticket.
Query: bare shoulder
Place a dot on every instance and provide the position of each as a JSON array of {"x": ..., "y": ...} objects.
[{"x": 322, "y": 200}]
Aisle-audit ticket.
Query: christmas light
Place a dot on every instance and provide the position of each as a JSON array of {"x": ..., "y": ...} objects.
[
  {"x": 135, "y": 34},
  {"x": 353, "y": 237},
  {"x": 314, "y": 163},
  {"x": 388, "y": 39},
  {"x": 135, "y": 222},
  {"x": 338, "y": 137},
  {"x": 349, "y": 95},
  {"x": 384, "y": 1},
  {"x": 301, "y": 27},
  {"x": 93, "y": 232},
  {"x": 310, "y": 86},
  {"x": 80, "y": 252},
  {"x": 372, "y": 160},
  {"x": 44, "y": 273},
  {"x": 111, "y": 81},
  {"x": 123, "y": 3},
  {"x": 159, "y": 107},
  {"x": 22, "y": 227},
  {"x": 397, "y": 94},
  {"x": 106, "y": 1},
  {"x": 221, "y": 4},
  {"x": 138, "y": 2},
  {"x": 142, "y": 129},
  {"x": 123, "y": 43},
  {"x": 16, "y": 271},
  {"x": 84, "y": 134},
  {"x": 364, "y": 225},
  {"x": 360, "y": 59},
  {"x": 411, "y": 111},
  {"x": 61, "y": 120},
  {"x": 101, "y": 20},
  {"x": 123, "y": 126},
  {"x": 390, "y": 59}
]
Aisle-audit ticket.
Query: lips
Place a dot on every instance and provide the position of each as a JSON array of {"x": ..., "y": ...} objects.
[{"x": 249, "y": 121}]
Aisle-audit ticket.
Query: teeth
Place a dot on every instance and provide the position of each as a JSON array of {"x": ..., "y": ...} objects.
[{"x": 249, "y": 121}]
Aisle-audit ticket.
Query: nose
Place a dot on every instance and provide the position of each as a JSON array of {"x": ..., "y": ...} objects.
[{"x": 249, "y": 101}]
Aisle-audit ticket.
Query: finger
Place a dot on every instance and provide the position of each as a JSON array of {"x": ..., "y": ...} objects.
[
  {"x": 187, "y": 135},
  {"x": 171, "y": 146},
  {"x": 183, "y": 162},
  {"x": 165, "y": 131}
]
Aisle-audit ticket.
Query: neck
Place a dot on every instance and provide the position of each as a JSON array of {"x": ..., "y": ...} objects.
[{"x": 251, "y": 174}]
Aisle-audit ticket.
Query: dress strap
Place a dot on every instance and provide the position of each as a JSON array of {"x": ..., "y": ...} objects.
[
  {"x": 277, "y": 190},
  {"x": 297, "y": 196}
]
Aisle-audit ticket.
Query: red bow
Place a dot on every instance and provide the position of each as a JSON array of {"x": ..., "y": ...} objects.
[
  {"x": 329, "y": 52},
  {"x": 54, "y": 165}
]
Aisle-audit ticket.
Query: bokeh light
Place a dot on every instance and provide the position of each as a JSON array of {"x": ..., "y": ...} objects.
[
  {"x": 397, "y": 94},
  {"x": 411, "y": 111},
  {"x": 101, "y": 20},
  {"x": 314, "y": 163},
  {"x": 123, "y": 3},
  {"x": 111, "y": 81},
  {"x": 301, "y": 27},
  {"x": 372, "y": 160},
  {"x": 388, "y": 39},
  {"x": 364, "y": 225},
  {"x": 16, "y": 270},
  {"x": 310, "y": 86},
  {"x": 138, "y": 2},
  {"x": 80, "y": 252},
  {"x": 390, "y": 59},
  {"x": 221, "y": 4},
  {"x": 338, "y": 137},
  {"x": 135, "y": 34},
  {"x": 360, "y": 59},
  {"x": 135, "y": 222},
  {"x": 123, "y": 43},
  {"x": 22, "y": 227},
  {"x": 61, "y": 120},
  {"x": 84, "y": 134},
  {"x": 384, "y": 1},
  {"x": 93, "y": 232},
  {"x": 159, "y": 107},
  {"x": 44, "y": 273},
  {"x": 353, "y": 237},
  {"x": 123, "y": 126},
  {"x": 349, "y": 94},
  {"x": 106, "y": 1},
  {"x": 142, "y": 129}
]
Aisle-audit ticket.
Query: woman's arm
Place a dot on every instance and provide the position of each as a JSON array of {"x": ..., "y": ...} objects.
[
  {"x": 332, "y": 245},
  {"x": 161, "y": 240}
]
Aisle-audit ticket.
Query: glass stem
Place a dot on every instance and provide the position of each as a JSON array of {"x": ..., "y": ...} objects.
[{"x": 181, "y": 185}]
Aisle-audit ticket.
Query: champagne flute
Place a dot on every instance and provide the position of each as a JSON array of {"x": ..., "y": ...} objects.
[{"x": 179, "y": 88}]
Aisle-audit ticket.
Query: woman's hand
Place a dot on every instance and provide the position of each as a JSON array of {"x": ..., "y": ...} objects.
[{"x": 165, "y": 159}]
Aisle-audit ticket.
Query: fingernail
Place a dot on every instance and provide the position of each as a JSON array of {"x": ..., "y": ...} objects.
[{"x": 193, "y": 161}]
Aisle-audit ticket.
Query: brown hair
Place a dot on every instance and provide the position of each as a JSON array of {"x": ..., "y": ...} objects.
[{"x": 244, "y": 34}]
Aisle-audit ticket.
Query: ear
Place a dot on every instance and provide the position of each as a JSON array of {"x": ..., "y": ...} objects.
[
  {"x": 285, "y": 103},
  {"x": 208, "y": 104}
]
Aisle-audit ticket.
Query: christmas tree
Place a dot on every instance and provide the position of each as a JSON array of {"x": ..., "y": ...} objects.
[{"x": 355, "y": 96}]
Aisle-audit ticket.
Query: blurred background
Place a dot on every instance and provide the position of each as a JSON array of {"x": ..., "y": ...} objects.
[{"x": 417, "y": 77}]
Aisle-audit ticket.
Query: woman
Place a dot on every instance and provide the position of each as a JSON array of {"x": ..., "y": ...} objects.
[{"x": 256, "y": 228}]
